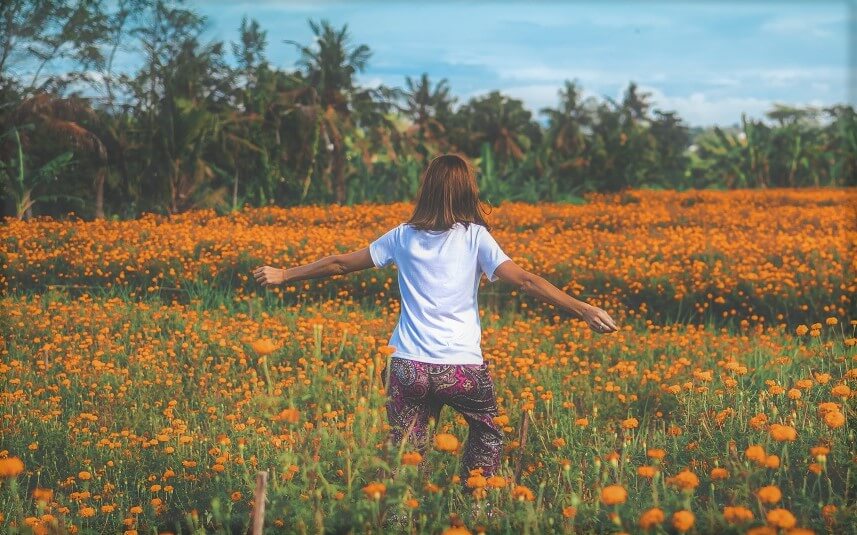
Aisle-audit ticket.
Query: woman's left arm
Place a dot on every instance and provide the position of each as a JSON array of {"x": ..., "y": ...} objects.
[{"x": 338, "y": 264}]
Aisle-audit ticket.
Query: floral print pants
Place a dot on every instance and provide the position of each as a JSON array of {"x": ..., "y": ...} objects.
[{"x": 418, "y": 390}]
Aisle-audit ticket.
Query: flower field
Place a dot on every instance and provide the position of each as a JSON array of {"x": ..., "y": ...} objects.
[{"x": 145, "y": 380}]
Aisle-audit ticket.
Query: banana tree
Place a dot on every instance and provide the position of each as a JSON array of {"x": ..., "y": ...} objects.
[{"x": 22, "y": 185}]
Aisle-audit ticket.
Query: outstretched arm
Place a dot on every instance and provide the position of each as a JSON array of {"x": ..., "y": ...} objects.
[
  {"x": 338, "y": 264},
  {"x": 539, "y": 287}
]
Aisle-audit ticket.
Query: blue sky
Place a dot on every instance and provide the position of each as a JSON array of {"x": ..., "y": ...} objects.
[{"x": 708, "y": 60}]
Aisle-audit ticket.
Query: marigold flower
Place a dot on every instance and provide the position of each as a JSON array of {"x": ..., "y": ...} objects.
[
  {"x": 719, "y": 473},
  {"x": 456, "y": 530},
  {"x": 756, "y": 454},
  {"x": 685, "y": 480},
  {"x": 737, "y": 514},
  {"x": 834, "y": 420},
  {"x": 801, "y": 330},
  {"x": 496, "y": 482},
  {"x": 781, "y": 518},
  {"x": 647, "y": 471},
  {"x": 683, "y": 520},
  {"x": 613, "y": 495},
  {"x": 263, "y": 347},
  {"x": 445, "y": 442},
  {"x": 841, "y": 391},
  {"x": 782, "y": 433},
  {"x": 769, "y": 494},
  {"x": 569, "y": 511},
  {"x": 651, "y": 518},
  {"x": 772, "y": 462},
  {"x": 522, "y": 493},
  {"x": 412, "y": 458},
  {"x": 11, "y": 467},
  {"x": 656, "y": 453},
  {"x": 630, "y": 423},
  {"x": 375, "y": 490}
]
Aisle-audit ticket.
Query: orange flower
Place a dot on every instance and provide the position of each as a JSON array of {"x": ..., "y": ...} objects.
[
  {"x": 737, "y": 515},
  {"x": 42, "y": 495},
  {"x": 412, "y": 458},
  {"x": 781, "y": 518},
  {"x": 290, "y": 415},
  {"x": 613, "y": 495},
  {"x": 569, "y": 511},
  {"x": 651, "y": 518},
  {"x": 769, "y": 494},
  {"x": 496, "y": 482},
  {"x": 782, "y": 433},
  {"x": 375, "y": 490},
  {"x": 841, "y": 391},
  {"x": 521, "y": 493},
  {"x": 456, "y": 530},
  {"x": 581, "y": 422},
  {"x": 719, "y": 473},
  {"x": 685, "y": 480},
  {"x": 683, "y": 520},
  {"x": 834, "y": 420},
  {"x": 630, "y": 423},
  {"x": 772, "y": 462},
  {"x": 656, "y": 453},
  {"x": 756, "y": 454},
  {"x": 445, "y": 442},
  {"x": 263, "y": 347},
  {"x": 647, "y": 471},
  {"x": 11, "y": 467}
]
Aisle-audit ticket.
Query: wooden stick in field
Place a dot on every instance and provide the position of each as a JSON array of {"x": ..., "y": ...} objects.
[
  {"x": 259, "y": 502},
  {"x": 522, "y": 442}
]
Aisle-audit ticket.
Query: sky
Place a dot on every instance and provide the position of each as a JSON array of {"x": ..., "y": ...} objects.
[{"x": 709, "y": 61}]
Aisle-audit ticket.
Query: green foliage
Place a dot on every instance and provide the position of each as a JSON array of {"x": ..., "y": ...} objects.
[{"x": 188, "y": 129}]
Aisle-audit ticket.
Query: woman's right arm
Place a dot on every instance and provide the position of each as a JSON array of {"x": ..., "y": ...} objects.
[{"x": 539, "y": 287}]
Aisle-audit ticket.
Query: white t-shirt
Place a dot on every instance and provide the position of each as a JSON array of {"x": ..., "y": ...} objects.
[{"x": 439, "y": 274}]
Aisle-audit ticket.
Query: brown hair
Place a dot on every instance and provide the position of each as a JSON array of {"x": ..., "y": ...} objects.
[{"x": 448, "y": 194}]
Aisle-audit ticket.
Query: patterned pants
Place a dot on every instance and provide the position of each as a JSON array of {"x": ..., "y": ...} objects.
[{"x": 418, "y": 390}]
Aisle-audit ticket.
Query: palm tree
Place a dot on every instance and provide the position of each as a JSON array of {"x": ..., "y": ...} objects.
[
  {"x": 427, "y": 107},
  {"x": 330, "y": 67},
  {"x": 565, "y": 137},
  {"x": 501, "y": 122}
]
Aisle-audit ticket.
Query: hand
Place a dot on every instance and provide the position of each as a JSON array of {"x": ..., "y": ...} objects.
[
  {"x": 269, "y": 276},
  {"x": 599, "y": 320}
]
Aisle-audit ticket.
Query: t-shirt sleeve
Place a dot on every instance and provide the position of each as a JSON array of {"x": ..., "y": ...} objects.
[
  {"x": 383, "y": 249},
  {"x": 489, "y": 254}
]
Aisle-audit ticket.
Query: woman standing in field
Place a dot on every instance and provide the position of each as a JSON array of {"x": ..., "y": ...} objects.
[{"x": 441, "y": 253}]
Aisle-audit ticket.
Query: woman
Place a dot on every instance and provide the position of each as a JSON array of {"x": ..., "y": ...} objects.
[{"x": 441, "y": 253}]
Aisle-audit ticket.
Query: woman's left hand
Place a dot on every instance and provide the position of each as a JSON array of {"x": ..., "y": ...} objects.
[{"x": 269, "y": 276}]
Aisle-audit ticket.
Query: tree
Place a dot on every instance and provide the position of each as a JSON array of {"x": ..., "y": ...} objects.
[{"x": 330, "y": 67}]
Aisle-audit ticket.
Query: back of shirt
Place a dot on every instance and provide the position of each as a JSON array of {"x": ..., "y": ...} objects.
[{"x": 439, "y": 274}]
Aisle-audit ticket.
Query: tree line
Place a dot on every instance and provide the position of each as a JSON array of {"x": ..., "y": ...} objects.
[{"x": 216, "y": 125}]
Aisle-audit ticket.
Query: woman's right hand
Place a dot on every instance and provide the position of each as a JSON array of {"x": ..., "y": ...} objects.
[{"x": 599, "y": 320}]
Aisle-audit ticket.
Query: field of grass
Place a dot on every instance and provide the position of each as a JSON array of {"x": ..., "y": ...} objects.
[{"x": 145, "y": 381}]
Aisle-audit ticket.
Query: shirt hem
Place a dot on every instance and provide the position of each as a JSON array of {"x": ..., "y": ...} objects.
[{"x": 458, "y": 360}]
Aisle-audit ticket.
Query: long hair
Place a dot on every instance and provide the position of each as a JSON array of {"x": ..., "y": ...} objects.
[{"x": 448, "y": 194}]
